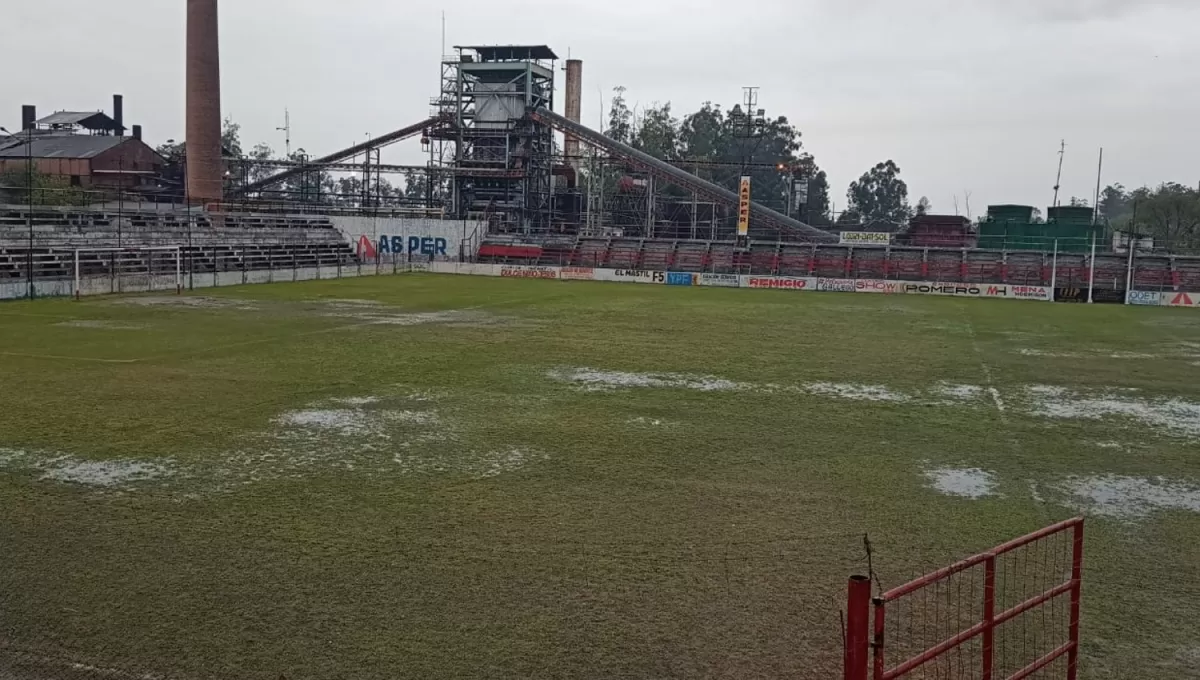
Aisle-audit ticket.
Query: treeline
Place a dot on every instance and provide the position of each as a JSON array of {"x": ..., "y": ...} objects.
[
  {"x": 728, "y": 140},
  {"x": 1169, "y": 212}
]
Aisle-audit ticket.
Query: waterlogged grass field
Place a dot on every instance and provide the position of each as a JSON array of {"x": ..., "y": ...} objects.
[{"x": 433, "y": 476}]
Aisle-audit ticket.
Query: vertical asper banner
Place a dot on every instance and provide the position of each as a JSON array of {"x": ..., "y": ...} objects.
[{"x": 744, "y": 208}]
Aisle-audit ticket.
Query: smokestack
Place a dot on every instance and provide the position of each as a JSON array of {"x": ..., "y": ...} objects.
[
  {"x": 119, "y": 114},
  {"x": 137, "y": 132},
  {"x": 203, "y": 151},
  {"x": 28, "y": 116},
  {"x": 574, "y": 108}
]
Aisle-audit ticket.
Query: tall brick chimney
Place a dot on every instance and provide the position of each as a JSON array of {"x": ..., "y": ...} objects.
[
  {"x": 204, "y": 176},
  {"x": 573, "y": 110}
]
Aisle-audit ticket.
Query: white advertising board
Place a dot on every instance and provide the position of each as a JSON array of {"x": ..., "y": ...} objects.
[
  {"x": 779, "y": 282},
  {"x": 630, "y": 275}
]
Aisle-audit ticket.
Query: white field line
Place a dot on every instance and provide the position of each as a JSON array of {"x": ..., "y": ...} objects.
[{"x": 55, "y": 357}]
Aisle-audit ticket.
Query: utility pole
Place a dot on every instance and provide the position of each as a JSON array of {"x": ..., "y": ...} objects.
[
  {"x": 750, "y": 129},
  {"x": 287, "y": 132},
  {"x": 1062, "y": 151},
  {"x": 1099, "y": 173}
]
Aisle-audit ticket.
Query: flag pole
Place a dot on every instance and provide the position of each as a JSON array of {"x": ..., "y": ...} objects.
[
  {"x": 1092, "y": 271},
  {"x": 1129, "y": 271},
  {"x": 1054, "y": 269}
]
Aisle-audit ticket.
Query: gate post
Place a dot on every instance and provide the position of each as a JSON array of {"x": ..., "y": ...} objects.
[
  {"x": 858, "y": 635},
  {"x": 1076, "y": 593}
]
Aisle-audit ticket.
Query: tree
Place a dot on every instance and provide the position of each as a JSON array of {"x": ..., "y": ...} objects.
[
  {"x": 818, "y": 198},
  {"x": 657, "y": 133},
  {"x": 1171, "y": 214},
  {"x": 924, "y": 206},
  {"x": 16, "y": 185},
  {"x": 231, "y": 138},
  {"x": 880, "y": 195},
  {"x": 1077, "y": 202},
  {"x": 620, "y": 118},
  {"x": 1115, "y": 202}
]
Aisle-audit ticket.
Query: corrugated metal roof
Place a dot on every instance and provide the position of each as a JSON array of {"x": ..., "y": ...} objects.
[
  {"x": 64, "y": 146},
  {"x": 511, "y": 52},
  {"x": 96, "y": 119}
]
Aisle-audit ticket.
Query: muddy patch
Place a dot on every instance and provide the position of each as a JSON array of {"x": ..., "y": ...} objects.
[
  {"x": 100, "y": 324},
  {"x": 1167, "y": 415},
  {"x": 595, "y": 380},
  {"x": 972, "y": 483},
  {"x": 187, "y": 302},
  {"x": 1125, "y": 497}
]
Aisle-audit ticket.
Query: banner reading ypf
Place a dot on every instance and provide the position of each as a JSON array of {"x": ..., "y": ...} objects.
[{"x": 744, "y": 207}]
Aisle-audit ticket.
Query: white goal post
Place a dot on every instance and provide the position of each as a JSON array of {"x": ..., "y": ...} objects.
[{"x": 177, "y": 251}]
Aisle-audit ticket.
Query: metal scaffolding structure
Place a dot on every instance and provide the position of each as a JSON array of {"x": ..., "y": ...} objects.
[{"x": 503, "y": 159}]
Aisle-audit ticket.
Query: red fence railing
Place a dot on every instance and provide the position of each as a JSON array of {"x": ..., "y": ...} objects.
[{"x": 998, "y": 614}]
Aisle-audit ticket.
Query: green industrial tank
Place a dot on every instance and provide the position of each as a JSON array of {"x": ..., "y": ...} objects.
[{"x": 1011, "y": 227}]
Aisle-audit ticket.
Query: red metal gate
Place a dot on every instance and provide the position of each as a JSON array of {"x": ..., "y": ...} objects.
[{"x": 1010, "y": 623}]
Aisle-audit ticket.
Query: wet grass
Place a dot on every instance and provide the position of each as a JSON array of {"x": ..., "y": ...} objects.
[{"x": 643, "y": 532}]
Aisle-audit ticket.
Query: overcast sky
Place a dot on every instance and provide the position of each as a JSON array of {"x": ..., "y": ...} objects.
[{"x": 966, "y": 95}]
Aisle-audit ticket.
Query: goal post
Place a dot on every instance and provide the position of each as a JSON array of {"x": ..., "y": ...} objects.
[{"x": 140, "y": 266}]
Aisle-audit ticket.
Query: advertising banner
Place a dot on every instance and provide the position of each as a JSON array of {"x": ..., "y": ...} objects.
[
  {"x": 720, "y": 280},
  {"x": 1145, "y": 297},
  {"x": 744, "y": 208},
  {"x": 630, "y": 275},
  {"x": 1107, "y": 296},
  {"x": 679, "y": 278},
  {"x": 1043, "y": 293},
  {"x": 976, "y": 290},
  {"x": 1181, "y": 299},
  {"x": 577, "y": 274},
  {"x": 865, "y": 238},
  {"x": 529, "y": 272},
  {"x": 780, "y": 282},
  {"x": 836, "y": 285},
  {"x": 878, "y": 286}
]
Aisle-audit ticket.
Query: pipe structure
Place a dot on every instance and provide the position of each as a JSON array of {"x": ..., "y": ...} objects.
[
  {"x": 348, "y": 152},
  {"x": 204, "y": 174},
  {"x": 760, "y": 214}
]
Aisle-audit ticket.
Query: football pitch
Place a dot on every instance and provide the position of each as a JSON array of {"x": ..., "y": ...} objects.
[{"x": 437, "y": 476}]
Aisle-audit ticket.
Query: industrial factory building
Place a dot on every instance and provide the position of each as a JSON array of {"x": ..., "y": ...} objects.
[{"x": 86, "y": 149}]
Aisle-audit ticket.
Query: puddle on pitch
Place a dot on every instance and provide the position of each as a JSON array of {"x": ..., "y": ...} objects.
[
  {"x": 100, "y": 324},
  {"x": 1168, "y": 415},
  {"x": 186, "y": 301},
  {"x": 958, "y": 392},
  {"x": 855, "y": 392},
  {"x": 1125, "y": 497},
  {"x": 972, "y": 483},
  {"x": 594, "y": 380},
  {"x": 107, "y": 474}
]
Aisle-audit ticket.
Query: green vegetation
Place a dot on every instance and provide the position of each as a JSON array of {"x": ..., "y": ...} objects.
[{"x": 279, "y": 481}]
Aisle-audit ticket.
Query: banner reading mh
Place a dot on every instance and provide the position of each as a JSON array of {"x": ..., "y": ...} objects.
[{"x": 744, "y": 208}]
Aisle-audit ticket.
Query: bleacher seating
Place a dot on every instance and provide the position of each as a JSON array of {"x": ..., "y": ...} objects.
[
  {"x": 837, "y": 261},
  {"x": 207, "y": 241}
]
